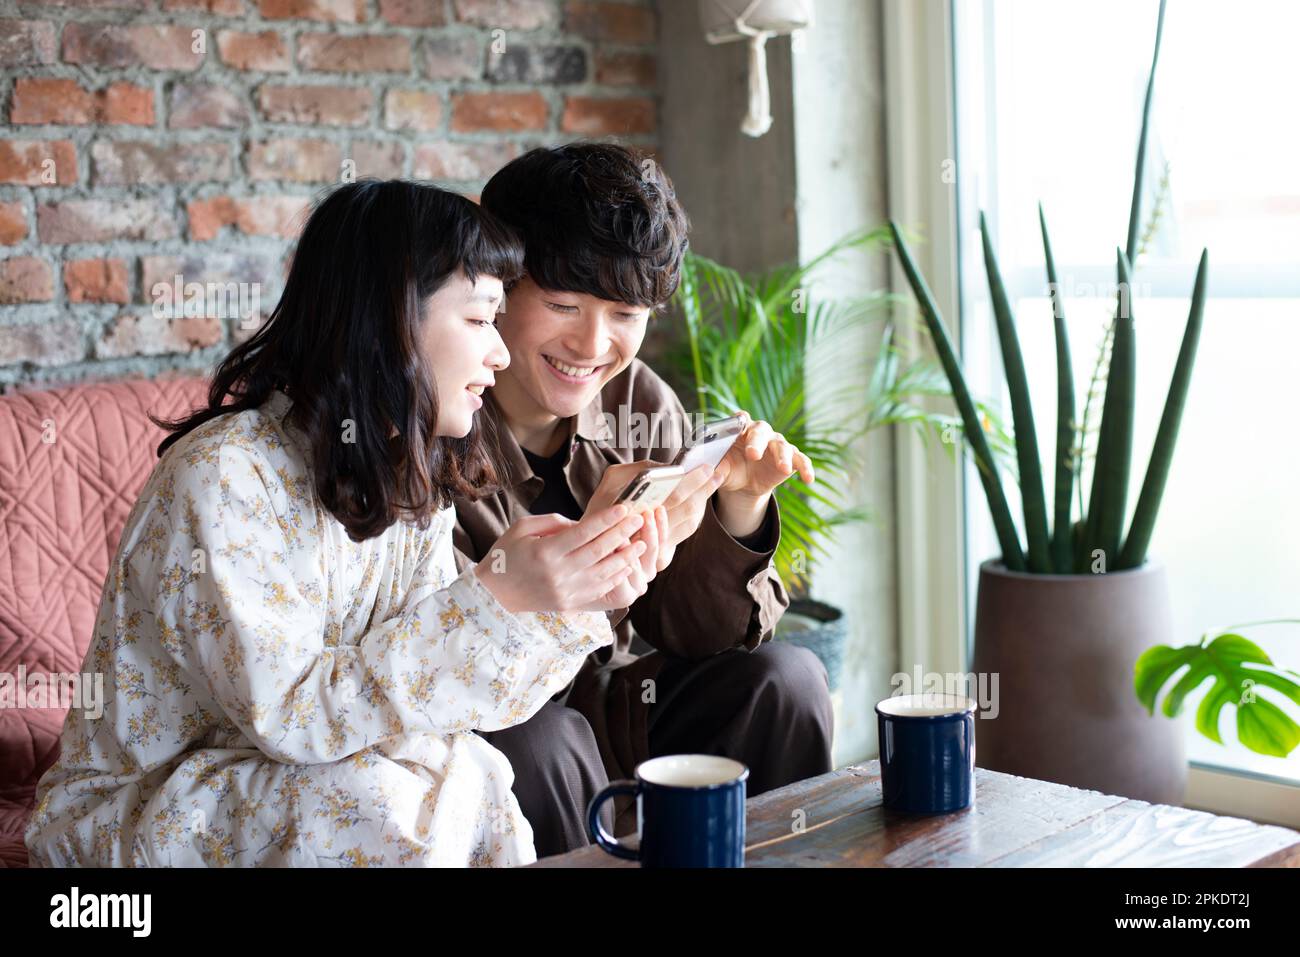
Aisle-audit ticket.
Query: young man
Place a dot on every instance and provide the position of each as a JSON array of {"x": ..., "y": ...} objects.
[{"x": 604, "y": 239}]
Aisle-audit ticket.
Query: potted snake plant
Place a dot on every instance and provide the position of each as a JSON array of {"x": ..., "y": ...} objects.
[
  {"x": 754, "y": 343},
  {"x": 1064, "y": 614}
]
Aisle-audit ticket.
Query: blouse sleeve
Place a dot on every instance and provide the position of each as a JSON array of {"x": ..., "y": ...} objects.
[{"x": 239, "y": 604}]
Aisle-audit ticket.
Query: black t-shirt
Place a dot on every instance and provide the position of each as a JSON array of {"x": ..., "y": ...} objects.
[{"x": 555, "y": 496}]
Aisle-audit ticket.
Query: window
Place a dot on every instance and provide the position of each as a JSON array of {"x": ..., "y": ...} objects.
[{"x": 1049, "y": 97}]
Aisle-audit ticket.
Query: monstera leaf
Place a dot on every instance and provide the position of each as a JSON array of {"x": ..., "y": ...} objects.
[{"x": 1261, "y": 725}]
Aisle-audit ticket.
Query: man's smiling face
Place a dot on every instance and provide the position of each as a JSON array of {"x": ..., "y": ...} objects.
[{"x": 564, "y": 346}]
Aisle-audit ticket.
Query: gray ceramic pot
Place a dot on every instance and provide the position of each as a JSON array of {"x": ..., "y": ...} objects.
[
  {"x": 819, "y": 627},
  {"x": 1063, "y": 647}
]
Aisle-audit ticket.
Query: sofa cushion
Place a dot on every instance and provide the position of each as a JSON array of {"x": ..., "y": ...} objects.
[
  {"x": 16, "y": 806},
  {"x": 72, "y": 461}
]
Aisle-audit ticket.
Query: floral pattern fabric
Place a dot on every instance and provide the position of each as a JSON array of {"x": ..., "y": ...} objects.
[{"x": 276, "y": 694}]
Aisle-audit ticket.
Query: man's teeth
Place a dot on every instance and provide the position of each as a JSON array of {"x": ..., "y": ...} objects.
[{"x": 575, "y": 371}]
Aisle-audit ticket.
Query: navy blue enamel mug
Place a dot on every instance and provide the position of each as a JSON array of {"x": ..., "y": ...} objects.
[
  {"x": 927, "y": 752},
  {"x": 690, "y": 812}
]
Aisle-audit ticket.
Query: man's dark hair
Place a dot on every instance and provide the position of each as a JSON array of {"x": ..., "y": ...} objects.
[
  {"x": 595, "y": 218},
  {"x": 343, "y": 341}
]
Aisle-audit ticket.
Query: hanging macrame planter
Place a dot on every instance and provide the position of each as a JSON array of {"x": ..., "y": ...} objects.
[{"x": 726, "y": 21}]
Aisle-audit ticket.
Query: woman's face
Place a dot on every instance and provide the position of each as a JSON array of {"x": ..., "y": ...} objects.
[{"x": 460, "y": 342}]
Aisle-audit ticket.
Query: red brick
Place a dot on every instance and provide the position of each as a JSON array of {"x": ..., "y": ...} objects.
[
  {"x": 22, "y": 162},
  {"x": 254, "y": 51},
  {"x": 52, "y": 343},
  {"x": 208, "y": 216},
  {"x": 26, "y": 279},
  {"x": 316, "y": 105},
  {"x": 126, "y": 103},
  {"x": 96, "y": 280},
  {"x": 63, "y": 101},
  {"x": 295, "y": 160},
  {"x": 258, "y": 274},
  {"x": 626, "y": 69},
  {"x": 224, "y": 8},
  {"x": 451, "y": 58},
  {"x": 382, "y": 159},
  {"x": 94, "y": 4},
  {"x": 372, "y": 53},
  {"x": 143, "y": 334},
  {"x": 198, "y": 105},
  {"x": 590, "y": 116},
  {"x": 329, "y": 11},
  {"x": 498, "y": 111},
  {"x": 507, "y": 14},
  {"x": 113, "y": 46},
  {"x": 127, "y": 163},
  {"x": 610, "y": 22},
  {"x": 50, "y": 100},
  {"x": 461, "y": 161},
  {"x": 220, "y": 287},
  {"x": 537, "y": 66},
  {"x": 13, "y": 223},
  {"x": 412, "y": 13},
  {"x": 281, "y": 216},
  {"x": 101, "y": 220},
  {"x": 27, "y": 43},
  {"x": 412, "y": 110}
]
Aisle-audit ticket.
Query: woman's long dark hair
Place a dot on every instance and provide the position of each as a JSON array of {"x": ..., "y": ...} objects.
[{"x": 343, "y": 342}]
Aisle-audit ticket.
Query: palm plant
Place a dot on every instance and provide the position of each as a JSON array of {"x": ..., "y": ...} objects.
[
  {"x": 756, "y": 343},
  {"x": 1062, "y": 546}
]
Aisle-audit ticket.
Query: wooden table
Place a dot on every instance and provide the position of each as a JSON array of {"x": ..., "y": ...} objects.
[{"x": 1013, "y": 822}]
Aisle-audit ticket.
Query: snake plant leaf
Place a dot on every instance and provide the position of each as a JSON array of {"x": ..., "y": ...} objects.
[
  {"x": 1262, "y": 726},
  {"x": 1012, "y": 555},
  {"x": 1022, "y": 414},
  {"x": 1122, "y": 382},
  {"x": 1135, "y": 210},
  {"x": 1064, "y": 486},
  {"x": 1106, "y": 506},
  {"x": 1079, "y": 543},
  {"x": 1162, "y": 453}
]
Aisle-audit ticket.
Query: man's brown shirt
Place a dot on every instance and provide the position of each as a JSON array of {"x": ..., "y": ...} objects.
[{"x": 716, "y": 595}]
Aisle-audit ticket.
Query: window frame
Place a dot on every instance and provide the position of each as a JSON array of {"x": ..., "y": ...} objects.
[{"x": 924, "y": 61}]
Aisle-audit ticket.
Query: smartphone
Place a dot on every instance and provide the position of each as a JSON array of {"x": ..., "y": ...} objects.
[
  {"x": 650, "y": 488},
  {"x": 711, "y": 442}
]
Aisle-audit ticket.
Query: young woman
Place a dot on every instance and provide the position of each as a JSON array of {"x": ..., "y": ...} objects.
[{"x": 293, "y": 668}]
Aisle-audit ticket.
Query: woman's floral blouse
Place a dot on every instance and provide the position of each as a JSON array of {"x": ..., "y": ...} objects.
[{"x": 277, "y": 694}]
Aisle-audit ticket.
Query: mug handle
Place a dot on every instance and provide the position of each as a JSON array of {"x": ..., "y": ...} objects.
[{"x": 607, "y": 841}]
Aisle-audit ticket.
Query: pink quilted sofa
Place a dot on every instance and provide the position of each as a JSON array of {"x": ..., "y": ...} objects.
[{"x": 63, "y": 504}]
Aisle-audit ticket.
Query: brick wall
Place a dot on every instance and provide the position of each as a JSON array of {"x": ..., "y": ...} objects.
[{"x": 149, "y": 139}]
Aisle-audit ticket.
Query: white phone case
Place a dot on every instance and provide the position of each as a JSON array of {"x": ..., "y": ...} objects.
[
  {"x": 712, "y": 452},
  {"x": 651, "y": 488}
]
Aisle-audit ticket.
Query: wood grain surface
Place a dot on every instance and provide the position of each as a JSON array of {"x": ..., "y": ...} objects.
[{"x": 836, "y": 820}]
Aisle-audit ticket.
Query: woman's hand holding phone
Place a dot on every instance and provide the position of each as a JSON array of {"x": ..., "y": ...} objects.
[
  {"x": 652, "y": 535},
  {"x": 552, "y": 563}
]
